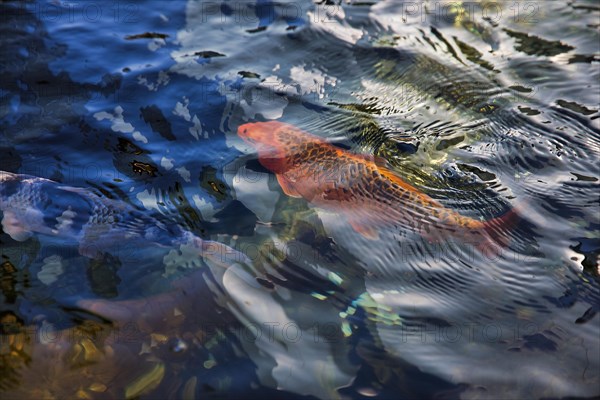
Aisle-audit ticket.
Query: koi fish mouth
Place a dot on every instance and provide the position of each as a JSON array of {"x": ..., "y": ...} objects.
[
  {"x": 244, "y": 133},
  {"x": 256, "y": 135},
  {"x": 255, "y": 132},
  {"x": 248, "y": 139}
]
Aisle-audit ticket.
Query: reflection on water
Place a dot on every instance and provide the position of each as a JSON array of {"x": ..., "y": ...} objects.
[{"x": 164, "y": 260}]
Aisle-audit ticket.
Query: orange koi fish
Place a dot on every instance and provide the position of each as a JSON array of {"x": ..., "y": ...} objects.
[{"x": 367, "y": 194}]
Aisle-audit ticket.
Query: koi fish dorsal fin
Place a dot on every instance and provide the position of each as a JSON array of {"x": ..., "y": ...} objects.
[
  {"x": 378, "y": 161},
  {"x": 387, "y": 171},
  {"x": 499, "y": 227}
]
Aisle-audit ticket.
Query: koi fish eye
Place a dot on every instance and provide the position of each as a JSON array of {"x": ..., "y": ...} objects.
[{"x": 244, "y": 134}]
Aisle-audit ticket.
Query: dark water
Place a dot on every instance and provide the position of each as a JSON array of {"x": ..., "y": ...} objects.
[{"x": 484, "y": 107}]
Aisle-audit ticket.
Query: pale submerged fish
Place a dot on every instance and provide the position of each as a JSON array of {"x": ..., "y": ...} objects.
[{"x": 98, "y": 225}]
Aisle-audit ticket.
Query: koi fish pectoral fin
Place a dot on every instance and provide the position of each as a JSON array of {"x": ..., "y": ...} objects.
[
  {"x": 287, "y": 187},
  {"x": 369, "y": 232},
  {"x": 13, "y": 226}
]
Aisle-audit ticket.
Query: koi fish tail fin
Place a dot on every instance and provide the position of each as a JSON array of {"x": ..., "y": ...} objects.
[{"x": 498, "y": 231}]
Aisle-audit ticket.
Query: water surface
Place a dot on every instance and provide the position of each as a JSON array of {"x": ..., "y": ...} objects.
[{"x": 485, "y": 106}]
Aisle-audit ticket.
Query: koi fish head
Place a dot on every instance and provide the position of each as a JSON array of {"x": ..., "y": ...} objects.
[{"x": 276, "y": 142}]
